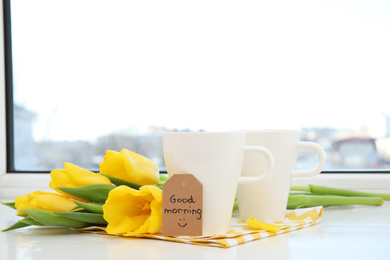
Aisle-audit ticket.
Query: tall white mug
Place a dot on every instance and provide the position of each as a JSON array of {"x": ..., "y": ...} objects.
[
  {"x": 267, "y": 200},
  {"x": 216, "y": 160}
]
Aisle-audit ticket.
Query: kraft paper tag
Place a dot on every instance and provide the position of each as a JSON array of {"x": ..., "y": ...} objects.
[{"x": 182, "y": 206}]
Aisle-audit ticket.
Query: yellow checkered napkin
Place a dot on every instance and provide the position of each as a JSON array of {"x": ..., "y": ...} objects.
[{"x": 239, "y": 231}]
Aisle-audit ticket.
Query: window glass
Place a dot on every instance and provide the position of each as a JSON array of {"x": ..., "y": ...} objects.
[{"x": 92, "y": 75}]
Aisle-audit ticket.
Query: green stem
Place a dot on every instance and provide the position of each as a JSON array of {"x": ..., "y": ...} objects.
[
  {"x": 235, "y": 206},
  {"x": 162, "y": 179},
  {"x": 301, "y": 193},
  {"x": 322, "y": 190},
  {"x": 306, "y": 201},
  {"x": 299, "y": 188}
]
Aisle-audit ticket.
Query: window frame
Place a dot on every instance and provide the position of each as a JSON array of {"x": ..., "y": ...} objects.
[{"x": 15, "y": 183}]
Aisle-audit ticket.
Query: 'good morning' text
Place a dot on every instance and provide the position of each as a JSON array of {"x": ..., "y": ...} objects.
[{"x": 198, "y": 212}]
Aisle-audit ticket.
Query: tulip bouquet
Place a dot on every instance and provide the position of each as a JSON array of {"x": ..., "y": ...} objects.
[{"x": 124, "y": 197}]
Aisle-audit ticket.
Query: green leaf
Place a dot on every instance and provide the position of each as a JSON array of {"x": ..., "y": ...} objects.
[
  {"x": 117, "y": 181},
  {"x": 48, "y": 218},
  {"x": 9, "y": 204},
  {"x": 92, "y": 193},
  {"x": 30, "y": 221},
  {"x": 17, "y": 225},
  {"x": 92, "y": 218},
  {"x": 78, "y": 209},
  {"x": 27, "y": 221},
  {"x": 91, "y": 207}
]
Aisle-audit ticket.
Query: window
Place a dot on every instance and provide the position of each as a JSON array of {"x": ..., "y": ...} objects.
[{"x": 90, "y": 75}]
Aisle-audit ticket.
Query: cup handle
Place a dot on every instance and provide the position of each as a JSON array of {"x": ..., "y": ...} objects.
[
  {"x": 321, "y": 160},
  {"x": 270, "y": 164}
]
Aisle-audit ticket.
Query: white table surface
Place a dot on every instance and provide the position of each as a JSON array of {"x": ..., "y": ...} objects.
[{"x": 355, "y": 232}]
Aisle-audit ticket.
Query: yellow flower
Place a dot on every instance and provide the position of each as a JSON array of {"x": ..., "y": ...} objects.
[
  {"x": 130, "y": 166},
  {"x": 44, "y": 200},
  {"x": 132, "y": 212},
  {"x": 74, "y": 176}
]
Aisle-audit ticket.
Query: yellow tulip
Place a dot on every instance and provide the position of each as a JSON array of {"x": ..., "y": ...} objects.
[
  {"x": 130, "y": 166},
  {"x": 44, "y": 200},
  {"x": 131, "y": 212},
  {"x": 74, "y": 176}
]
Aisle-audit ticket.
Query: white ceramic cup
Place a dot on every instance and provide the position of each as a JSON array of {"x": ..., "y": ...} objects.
[
  {"x": 216, "y": 160},
  {"x": 267, "y": 200}
]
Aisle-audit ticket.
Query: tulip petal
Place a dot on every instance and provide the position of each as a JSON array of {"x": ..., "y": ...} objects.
[
  {"x": 113, "y": 165},
  {"x": 155, "y": 217},
  {"x": 83, "y": 177},
  {"x": 134, "y": 161},
  {"x": 110, "y": 153},
  {"x": 255, "y": 224},
  {"x": 130, "y": 166},
  {"x": 127, "y": 225},
  {"x": 53, "y": 202},
  {"x": 130, "y": 212},
  {"x": 43, "y": 200},
  {"x": 60, "y": 178}
]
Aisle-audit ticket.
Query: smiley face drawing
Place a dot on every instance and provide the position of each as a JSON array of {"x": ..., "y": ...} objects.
[{"x": 182, "y": 223}]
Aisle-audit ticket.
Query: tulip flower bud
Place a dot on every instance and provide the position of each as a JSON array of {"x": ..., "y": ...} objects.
[
  {"x": 130, "y": 166},
  {"x": 74, "y": 176},
  {"x": 133, "y": 212},
  {"x": 44, "y": 200}
]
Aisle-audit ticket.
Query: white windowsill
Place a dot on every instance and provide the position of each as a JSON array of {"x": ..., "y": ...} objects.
[
  {"x": 13, "y": 184},
  {"x": 360, "y": 232}
]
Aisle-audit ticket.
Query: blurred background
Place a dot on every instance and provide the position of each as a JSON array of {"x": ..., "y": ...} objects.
[{"x": 92, "y": 75}]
